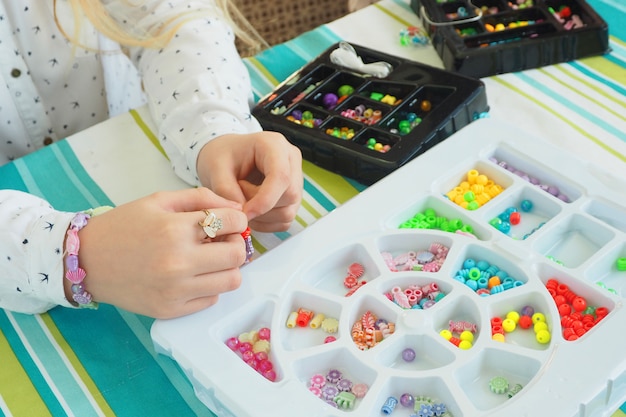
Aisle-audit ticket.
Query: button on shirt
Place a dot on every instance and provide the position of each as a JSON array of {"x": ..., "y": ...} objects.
[{"x": 197, "y": 88}]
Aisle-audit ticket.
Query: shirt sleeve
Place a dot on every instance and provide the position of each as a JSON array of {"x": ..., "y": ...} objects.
[
  {"x": 197, "y": 86},
  {"x": 31, "y": 253}
]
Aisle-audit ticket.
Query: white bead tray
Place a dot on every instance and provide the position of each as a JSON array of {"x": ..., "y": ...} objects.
[{"x": 577, "y": 244}]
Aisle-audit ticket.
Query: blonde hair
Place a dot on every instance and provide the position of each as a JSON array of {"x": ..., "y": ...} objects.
[{"x": 249, "y": 41}]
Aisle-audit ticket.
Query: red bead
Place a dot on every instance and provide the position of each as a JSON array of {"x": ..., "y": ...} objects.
[
  {"x": 579, "y": 304},
  {"x": 515, "y": 218},
  {"x": 564, "y": 309},
  {"x": 525, "y": 322}
]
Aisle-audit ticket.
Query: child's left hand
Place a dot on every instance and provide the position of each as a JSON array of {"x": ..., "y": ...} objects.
[{"x": 262, "y": 171}]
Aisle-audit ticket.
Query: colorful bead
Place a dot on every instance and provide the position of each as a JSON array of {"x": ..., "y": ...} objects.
[
  {"x": 389, "y": 405},
  {"x": 498, "y": 385},
  {"x": 408, "y": 355}
]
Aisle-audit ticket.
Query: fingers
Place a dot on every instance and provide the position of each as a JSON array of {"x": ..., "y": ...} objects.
[
  {"x": 281, "y": 185},
  {"x": 193, "y": 199},
  {"x": 223, "y": 222}
]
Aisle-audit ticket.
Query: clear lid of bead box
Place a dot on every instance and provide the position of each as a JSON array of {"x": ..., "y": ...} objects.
[{"x": 393, "y": 296}]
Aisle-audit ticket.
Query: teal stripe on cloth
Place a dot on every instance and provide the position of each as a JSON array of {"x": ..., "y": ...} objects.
[
  {"x": 614, "y": 59},
  {"x": 97, "y": 338},
  {"x": 284, "y": 59},
  {"x": 612, "y": 11},
  {"x": 599, "y": 78},
  {"x": 318, "y": 196},
  {"x": 59, "y": 375},
  {"x": 29, "y": 366},
  {"x": 572, "y": 106},
  {"x": 64, "y": 183},
  {"x": 10, "y": 178},
  {"x": 140, "y": 325}
]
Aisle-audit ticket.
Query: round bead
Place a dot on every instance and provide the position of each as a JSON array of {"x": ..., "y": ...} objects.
[
  {"x": 345, "y": 90},
  {"x": 543, "y": 336},
  {"x": 526, "y": 205},
  {"x": 508, "y": 325},
  {"x": 408, "y": 355},
  {"x": 537, "y": 317},
  {"x": 407, "y": 400}
]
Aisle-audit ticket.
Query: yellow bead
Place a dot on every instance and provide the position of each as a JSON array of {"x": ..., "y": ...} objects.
[
  {"x": 498, "y": 337},
  {"x": 482, "y": 179},
  {"x": 508, "y": 325},
  {"x": 538, "y": 317},
  {"x": 465, "y": 344},
  {"x": 513, "y": 315},
  {"x": 543, "y": 337},
  {"x": 539, "y": 326},
  {"x": 446, "y": 334},
  {"x": 471, "y": 176},
  {"x": 467, "y": 335}
]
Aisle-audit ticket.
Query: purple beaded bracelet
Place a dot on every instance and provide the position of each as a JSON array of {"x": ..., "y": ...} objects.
[{"x": 74, "y": 273}]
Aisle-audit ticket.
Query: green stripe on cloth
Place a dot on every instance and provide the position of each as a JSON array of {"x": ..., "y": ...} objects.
[
  {"x": 20, "y": 377},
  {"x": 394, "y": 15},
  {"x": 556, "y": 114},
  {"x": 335, "y": 185},
  {"x": 146, "y": 131},
  {"x": 585, "y": 81}
]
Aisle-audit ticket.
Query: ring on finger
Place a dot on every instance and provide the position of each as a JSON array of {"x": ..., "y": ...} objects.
[{"x": 211, "y": 224}]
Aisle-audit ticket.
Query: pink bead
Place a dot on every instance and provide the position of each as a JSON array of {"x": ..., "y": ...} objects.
[
  {"x": 264, "y": 333},
  {"x": 232, "y": 343},
  {"x": 244, "y": 347},
  {"x": 72, "y": 242},
  {"x": 264, "y": 366},
  {"x": 270, "y": 375}
]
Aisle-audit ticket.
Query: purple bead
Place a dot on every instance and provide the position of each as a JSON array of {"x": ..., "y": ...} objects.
[
  {"x": 297, "y": 114},
  {"x": 527, "y": 311},
  {"x": 71, "y": 262},
  {"x": 329, "y": 392},
  {"x": 553, "y": 190},
  {"x": 563, "y": 198},
  {"x": 407, "y": 400},
  {"x": 80, "y": 220},
  {"x": 533, "y": 181},
  {"x": 408, "y": 355},
  {"x": 330, "y": 100},
  {"x": 344, "y": 385}
]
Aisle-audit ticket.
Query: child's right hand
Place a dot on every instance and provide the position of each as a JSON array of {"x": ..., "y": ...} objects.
[{"x": 151, "y": 256}]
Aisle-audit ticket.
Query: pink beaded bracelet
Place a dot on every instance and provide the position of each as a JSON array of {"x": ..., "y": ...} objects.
[{"x": 74, "y": 273}]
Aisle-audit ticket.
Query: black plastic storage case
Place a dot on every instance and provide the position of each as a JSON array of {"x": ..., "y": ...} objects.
[
  {"x": 445, "y": 102},
  {"x": 545, "y": 36}
]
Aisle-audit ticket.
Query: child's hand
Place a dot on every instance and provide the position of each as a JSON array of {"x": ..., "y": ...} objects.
[
  {"x": 152, "y": 257},
  {"x": 262, "y": 171}
]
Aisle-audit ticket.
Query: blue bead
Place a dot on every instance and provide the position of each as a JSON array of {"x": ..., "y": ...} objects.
[{"x": 526, "y": 205}]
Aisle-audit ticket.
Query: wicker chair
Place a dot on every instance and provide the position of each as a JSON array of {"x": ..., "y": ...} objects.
[{"x": 278, "y": 21}]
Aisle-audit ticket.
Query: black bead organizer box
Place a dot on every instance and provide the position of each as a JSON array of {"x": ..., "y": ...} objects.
[
  {"x": 362, "y": 113},
  {"x": 479, "y": 38}
]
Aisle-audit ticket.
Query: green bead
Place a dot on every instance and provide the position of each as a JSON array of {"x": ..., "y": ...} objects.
[{"x": 345, "y": 90}]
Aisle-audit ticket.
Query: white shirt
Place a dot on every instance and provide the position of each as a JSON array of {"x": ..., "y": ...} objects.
[{"x": 197, "y": 88}]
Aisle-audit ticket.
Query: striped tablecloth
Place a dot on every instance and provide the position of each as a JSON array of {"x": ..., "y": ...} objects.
[{"x": 102, "y": 363}]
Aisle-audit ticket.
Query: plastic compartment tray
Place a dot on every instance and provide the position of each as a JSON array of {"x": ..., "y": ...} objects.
[
  {"x": 578, "y": 244},
  {"x": 444, "y": 102},
  {"x": 469, "y": 48}
]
